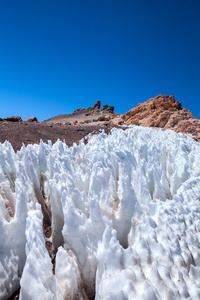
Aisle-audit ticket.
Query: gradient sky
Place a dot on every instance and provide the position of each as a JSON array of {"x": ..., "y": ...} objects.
[{"x": 57, "y": 56}]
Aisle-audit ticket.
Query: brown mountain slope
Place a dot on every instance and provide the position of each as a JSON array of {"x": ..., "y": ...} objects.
[
  {"x": 31, "y": 133},
  {"x": 166, "y": 113},
  {"x": 71, "y": 127},
  {"x": 88, "y": 115}
]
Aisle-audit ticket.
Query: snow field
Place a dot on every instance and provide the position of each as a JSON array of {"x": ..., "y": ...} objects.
[{"x": 124, "y": 215}]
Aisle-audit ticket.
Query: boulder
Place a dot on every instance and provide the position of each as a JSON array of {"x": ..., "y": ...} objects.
[
  {"x": 13, "y": 119},
  {"x": 117, "y": 120},
  {"x": 94, "y": 132},
  {"x": 32, "y": 119},
  {"x": 105, "y": 107},
  {"x": 103, "y": 118},
  {"x": 97, "y": 105},
  {"x": 110, "y": 109}
]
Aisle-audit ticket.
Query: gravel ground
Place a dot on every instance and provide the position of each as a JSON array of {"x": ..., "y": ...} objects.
[{"x": 31, "y": 133}]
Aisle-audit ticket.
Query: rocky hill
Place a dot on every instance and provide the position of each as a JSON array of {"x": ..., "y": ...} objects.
[
  {"x": 163, "y": 112},
  {"x": 86, "y": 115}
]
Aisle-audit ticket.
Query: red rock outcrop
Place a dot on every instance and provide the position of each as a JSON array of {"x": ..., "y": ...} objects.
[
  {"x": 117, "y": 120},
  {"x": 166, "y": 113},
  {"x": 32, "y": 119},
  {"x": 13, "y": 119}
]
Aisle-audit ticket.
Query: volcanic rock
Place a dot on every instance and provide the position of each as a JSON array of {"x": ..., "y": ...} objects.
[
  {"x": 32, "y": 119},
  {"x": 110, "y": 109},
  {"x": 166, "y": 113},
  {"x": 87, "y": 115},
  {"x": 117, "y": 120},
  {"x": 103, "y": 118},
  {"x": 95, "y": 132},
  {"x": 104, "y": 106},
  {"x": 13, "y": 119},
  {"x": 97, "y": 105}
]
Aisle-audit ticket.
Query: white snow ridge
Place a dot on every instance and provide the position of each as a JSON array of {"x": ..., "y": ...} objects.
[{"x": 122, "y": 212}]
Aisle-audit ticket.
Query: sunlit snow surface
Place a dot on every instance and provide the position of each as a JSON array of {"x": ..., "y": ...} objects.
[{"x": 124, "y": 215}]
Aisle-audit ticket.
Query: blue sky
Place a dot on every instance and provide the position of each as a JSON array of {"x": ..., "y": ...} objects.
[{"x": 57, "y": 56}]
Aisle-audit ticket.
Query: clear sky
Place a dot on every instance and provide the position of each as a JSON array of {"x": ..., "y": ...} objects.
[{"x": 57, "y": 56}]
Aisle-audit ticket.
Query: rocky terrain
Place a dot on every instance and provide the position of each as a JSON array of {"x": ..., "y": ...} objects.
[
  {"x": 159, "y": 112},
  {"x": 90, "y": 115},
  {"x": 32, "y": 133},
  {"x": 166, "y": 113},
  {"x": 71, "y": 128}
]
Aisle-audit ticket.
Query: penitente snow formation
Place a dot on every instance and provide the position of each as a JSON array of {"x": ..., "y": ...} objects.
[
  {"x": 124, "y": 212},
  {"x": 113, "y": 216}
]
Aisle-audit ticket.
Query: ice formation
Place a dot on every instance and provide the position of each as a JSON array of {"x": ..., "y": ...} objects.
[{"x": 122, "y": 212}]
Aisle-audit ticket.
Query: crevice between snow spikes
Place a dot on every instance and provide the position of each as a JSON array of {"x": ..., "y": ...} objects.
[
  {"x": 15, "y": 295},
  {"x": 46, "y": 211}
]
